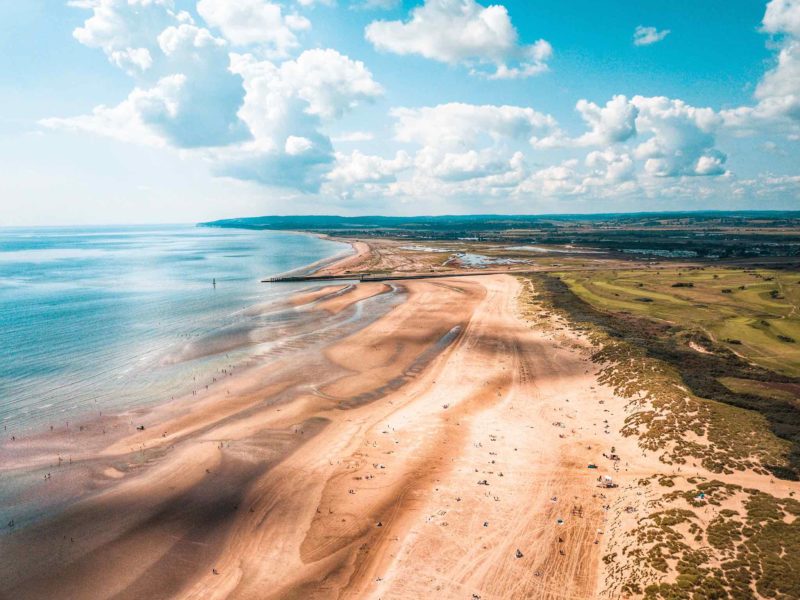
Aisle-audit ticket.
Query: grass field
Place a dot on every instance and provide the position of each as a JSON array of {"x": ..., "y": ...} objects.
[
  {"x": 693, "y": 402},
  {"x": 642, "y": 315},
  {"x": 754, "y": 313}
]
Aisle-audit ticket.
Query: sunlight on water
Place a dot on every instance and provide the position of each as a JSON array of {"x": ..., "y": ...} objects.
[{"x": 112, "y": 318}]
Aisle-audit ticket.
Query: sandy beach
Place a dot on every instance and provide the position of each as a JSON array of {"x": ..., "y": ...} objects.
[{"x": 425, "y": 438}]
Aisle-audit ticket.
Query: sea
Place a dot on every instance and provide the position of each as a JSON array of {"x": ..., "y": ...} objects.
[{"x": 108, "y": 319}]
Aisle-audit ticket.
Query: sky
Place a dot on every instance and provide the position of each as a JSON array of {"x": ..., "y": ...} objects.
[{"x": 156, "y": 111}]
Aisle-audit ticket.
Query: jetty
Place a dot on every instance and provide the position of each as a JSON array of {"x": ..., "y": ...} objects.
[{"x": 364, "y": 277}]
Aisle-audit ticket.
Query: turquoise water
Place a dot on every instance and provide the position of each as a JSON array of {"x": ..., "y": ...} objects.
[{"x": 112, "y": 318}]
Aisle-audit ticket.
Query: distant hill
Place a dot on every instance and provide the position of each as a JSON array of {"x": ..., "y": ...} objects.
[{"x": 444, "y": 223}]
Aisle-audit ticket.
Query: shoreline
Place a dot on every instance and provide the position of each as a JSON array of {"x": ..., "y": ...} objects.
[
  {"x": 29, "y": 457},
  {"x": 450, "y": 436},
  {"x": 395, "y": 385},
  {"x": 324, "y": 262}
]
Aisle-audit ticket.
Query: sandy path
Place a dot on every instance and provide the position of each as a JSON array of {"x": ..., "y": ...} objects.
[{"x": 437, "y": 442}]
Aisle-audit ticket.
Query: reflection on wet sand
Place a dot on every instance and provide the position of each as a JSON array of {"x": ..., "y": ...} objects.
[{"x": 340, "y": 461}]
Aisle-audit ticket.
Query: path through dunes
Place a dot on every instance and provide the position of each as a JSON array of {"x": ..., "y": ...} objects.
[{"x": 442, "y": 450}]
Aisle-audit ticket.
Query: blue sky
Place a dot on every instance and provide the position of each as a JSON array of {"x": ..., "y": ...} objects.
[{"x": 159, "y": 110}]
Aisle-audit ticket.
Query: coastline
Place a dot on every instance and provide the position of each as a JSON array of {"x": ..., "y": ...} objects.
[
  {"x": 329, "y": 262},
  {"x": 211, "y": 479},
  {"x": 449, "y": 436},
  {"x": 28, "y": 456}
]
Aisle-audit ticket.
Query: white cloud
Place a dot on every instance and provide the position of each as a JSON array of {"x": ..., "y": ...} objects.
[
  {"x": 254, "y": 114},
  {"x": 249, "y": 118},
  {"x": 296, "y": 145},
  {"x": 131, "y": 59},
  {"x": 459, "y": 125},
  {"x": 125, "y": 30},
  {"x": 354, "y": 137},
  {"x": 356, "y": 168},
  {"x": 644, "y": 36},
  {"x": 778, "y": 92},
  {"x": 611, "y": 166},
  {"x": 469, "y": 146},
  {"x": 247, "y": 22},
  {"x": 284, "y": 107},
  {"x": 783, "y": 16},
  {"x": 462, "y": 32},
  {"x": 767, "y": 186},
  {"x": 128, "y": 121},
  {"x": 149, "y": 39},
  {"x": 298, "y": 93},
  {"x": 330, "y": 82},
  {"x": 179, "y": 110},
  {"x": 556, "y": 180},
  {"x": 682, "y": 138},
  {"x": 610, "y": 124},
  {"x": 615, "y": 122},
  {"x": 462, "y": 166},
  {"x": 185, "y": 38},
  {"x": 674, "y": 139}
]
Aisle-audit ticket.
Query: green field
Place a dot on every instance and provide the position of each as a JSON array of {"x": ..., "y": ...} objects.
[{"x": 754, "y": 313}]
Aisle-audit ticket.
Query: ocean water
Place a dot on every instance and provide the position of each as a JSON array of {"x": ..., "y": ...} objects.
[{"x": 113, "y": 318}]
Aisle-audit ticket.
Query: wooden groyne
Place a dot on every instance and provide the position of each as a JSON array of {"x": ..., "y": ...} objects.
[{"x": 363, "y": 277}]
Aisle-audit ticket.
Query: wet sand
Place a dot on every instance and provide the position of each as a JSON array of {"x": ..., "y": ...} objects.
[{"x": 420, "y": 440}]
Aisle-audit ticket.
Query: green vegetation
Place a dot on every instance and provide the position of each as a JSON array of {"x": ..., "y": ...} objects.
[
  {"x": 761, "y": 308},
  {"x": 694, "y": 398},
  {"x": 743, "y": 552},
  {"x": 637, "y": 236},
  {"x": 790, "y": 392},
  {"x": 660, "y": 355}
]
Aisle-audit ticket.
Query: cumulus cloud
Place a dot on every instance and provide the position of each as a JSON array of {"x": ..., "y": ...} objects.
[
  {"x": 128, "y": 121},
  {"x": 457, "y": 125},
  {"x": 234, "y": 89},
  {"x": 468, "y": 148},
  {"x": 195, "y": 106},
  {"x": 461, "y": 166},
  {"x": 284, "y": 109},
  {"x": 682, "y": 138},
  {"x": 249, "y": 117},
  {"x": 611, "y": 165},
  {"x": 615, "y": 122},
  {"x": 330, "y": 82},
  {"x": 778, "y": 92},
  {"x": 556, "y": 180},
  {"x": 610, "y": 124},
  {"x": 125, "y": 30},
  {"x": 319, "y": 84},
  {"x": 303, "y": 172},
  {"x": 644, "y": 36},
  {"x": 463, "y": 32},
  {"x": 247, "y": 22},
  {"x": 674, "y": 138},
  {"x": 782, "y": 16},
  {"x": 354, "y": 136},
  {"x": 186, "y": 38},
  {"x": 358, "y": 168},
  {"x": 296, "y": 145}
]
